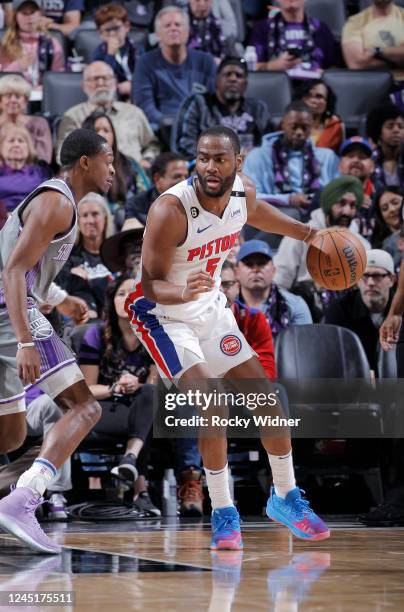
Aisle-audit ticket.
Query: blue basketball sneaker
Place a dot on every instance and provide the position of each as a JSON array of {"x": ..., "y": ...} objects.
[
  {"x": 295, "y": 512},
  {"x": 226, "y": 533}
]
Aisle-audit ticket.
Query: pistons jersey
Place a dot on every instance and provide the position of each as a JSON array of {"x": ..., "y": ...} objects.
[{"x": 208, "y": 242}]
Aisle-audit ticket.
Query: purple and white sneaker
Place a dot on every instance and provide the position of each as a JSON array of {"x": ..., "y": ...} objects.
[
  {"x": 57, "y": 510},
  {"x": 17, "y": 516}
]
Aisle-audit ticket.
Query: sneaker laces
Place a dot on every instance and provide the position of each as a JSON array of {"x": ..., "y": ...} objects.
[
  {"x": 31, "y": 505},
  {"x": 229, "y": 522},
  {"x": 191, "y": 491},
  {"x": 302, "y": 506}
]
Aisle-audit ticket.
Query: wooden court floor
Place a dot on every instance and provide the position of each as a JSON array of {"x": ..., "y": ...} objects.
[{"x": 156, "y": 565}]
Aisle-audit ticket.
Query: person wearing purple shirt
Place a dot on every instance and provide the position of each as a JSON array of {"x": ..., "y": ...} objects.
[
  {"x": 290, "y": 40},
  {"x": 165, "y": 76},
  {"x": 19, "y": 175}
]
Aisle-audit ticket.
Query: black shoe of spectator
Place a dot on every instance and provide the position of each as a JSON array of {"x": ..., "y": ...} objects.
[
  {"x": 126, "y": 468},
  {"x": 145, "y": 504},
  {"x": 384, "y": 515}
]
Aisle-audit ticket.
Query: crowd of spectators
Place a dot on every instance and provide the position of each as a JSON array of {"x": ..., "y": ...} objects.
[{"x": 161, "y": 73}]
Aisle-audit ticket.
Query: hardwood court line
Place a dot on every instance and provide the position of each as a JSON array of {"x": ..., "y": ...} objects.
[{"x": 108, "y": 552}]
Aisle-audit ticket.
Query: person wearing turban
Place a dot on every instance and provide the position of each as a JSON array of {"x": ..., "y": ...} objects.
[
  {"x": 339, "y": 204},
  {"x": 340, "y": 200}
]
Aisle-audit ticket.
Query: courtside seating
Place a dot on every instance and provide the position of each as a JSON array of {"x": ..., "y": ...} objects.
[{"x": 309, "y": 353}]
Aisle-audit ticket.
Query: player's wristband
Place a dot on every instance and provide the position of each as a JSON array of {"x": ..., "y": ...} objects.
[{"x": 22, "y": 345}]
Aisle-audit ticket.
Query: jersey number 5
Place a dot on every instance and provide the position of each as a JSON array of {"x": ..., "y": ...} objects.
[{"x": 211, "y": 265}]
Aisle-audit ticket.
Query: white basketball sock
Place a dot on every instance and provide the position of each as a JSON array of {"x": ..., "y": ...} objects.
[
  {"x": 218, "y": 487},
  {"x": 283, "y": 473},
  {"x": 39, "y": 476}
]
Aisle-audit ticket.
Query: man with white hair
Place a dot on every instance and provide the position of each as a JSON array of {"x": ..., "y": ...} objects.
[
  {"x": 165, "y": 76},
  {"x": 363, "y": 311},
  {"x": 134, "y": 135}
]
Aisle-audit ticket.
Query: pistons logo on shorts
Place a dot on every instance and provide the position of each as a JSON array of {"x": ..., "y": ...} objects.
[{"x": 230, "y": 345}]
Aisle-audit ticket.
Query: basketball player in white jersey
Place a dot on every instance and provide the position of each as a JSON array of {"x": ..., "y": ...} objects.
[
  {"x": 179, "y": 313},
  {"x": 34, "y": 245}
]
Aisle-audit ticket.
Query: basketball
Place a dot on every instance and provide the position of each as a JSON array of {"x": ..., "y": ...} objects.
[{"x": 336, "y": 259}]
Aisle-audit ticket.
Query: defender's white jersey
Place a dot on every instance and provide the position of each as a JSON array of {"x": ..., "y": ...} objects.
[{"x": 208, "y": 242}]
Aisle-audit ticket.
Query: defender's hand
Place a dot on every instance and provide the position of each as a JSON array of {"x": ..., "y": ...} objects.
[
  {"x": 28, "y": 365},
  {"x": 390, "y": 331}
]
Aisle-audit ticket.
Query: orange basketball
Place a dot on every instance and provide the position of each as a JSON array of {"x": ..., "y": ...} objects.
[{"x": 336, "y": 258}]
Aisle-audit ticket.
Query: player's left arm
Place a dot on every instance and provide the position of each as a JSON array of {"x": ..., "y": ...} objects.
[{"x": 266, "y": 217}]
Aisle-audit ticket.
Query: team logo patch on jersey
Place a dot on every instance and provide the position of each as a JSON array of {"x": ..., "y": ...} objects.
[
  {"x": 230, "y": 345},
  {"x": 194, "y": 212},
  {"x": 39, "y": 326}
]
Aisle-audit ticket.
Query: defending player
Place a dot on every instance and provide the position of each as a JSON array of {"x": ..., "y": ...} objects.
[
  {"x": 34, "y": 245},
  {"x": 178, "y": 312}
]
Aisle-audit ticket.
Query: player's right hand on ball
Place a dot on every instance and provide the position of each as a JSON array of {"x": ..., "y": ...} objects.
[
  {"x": 28, "y": 365},
  {"x": 390, "y": 331},
  {"x": 197, "y": 282}
]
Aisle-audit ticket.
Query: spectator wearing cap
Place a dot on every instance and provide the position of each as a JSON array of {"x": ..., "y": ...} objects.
[
  {"x": 165, "y": 76},
  {"x": 356, "y": 160},
  {"x": 363, "y": 310},
  {"x": 248, "y": 117},
  {"x": 167, "y": 170},
  {"x": 25, "y": 48},
  {"x": 291, "y": 40},
  {"x": 287, "y": 169},
  {"x": 385, "y": 128},
  {"x": 251, "y": 321},
  {"x": 255, "y": 273},
  {"x": 121, "y": 252},
  {"x": 116, "y": 49},
  {"x": 328, "y": 129},
  {"x": 374, "y": 38},
  {"x": 339, "y": 203}
]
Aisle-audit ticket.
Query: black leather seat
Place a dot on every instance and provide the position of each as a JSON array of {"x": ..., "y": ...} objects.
[
  {"x": 61, "y": 91},
  {"x": 273, "y": 87},
  {"x": 332, "y": 14},
  {"x": 358, "y": 92},
  {"x": 327, "y": 376}
]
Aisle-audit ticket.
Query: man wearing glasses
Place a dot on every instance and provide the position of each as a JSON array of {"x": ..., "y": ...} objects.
[
  {"x": 364, "y": 310},
  {"x": 134, "y": 136},
  {"x": 116, "y": 49}
]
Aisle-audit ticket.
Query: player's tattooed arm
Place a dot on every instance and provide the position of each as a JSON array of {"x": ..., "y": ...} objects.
[
  {"x": 166, "y": 229},
  {"x": 48, "y": 215},
  {"x": 268, "y": 218}
]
